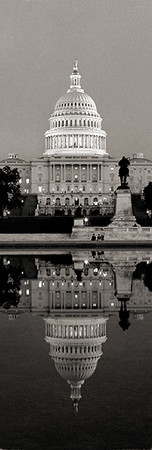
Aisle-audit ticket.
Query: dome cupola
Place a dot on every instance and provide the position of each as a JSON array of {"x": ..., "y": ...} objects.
[{"x": 75, "y": 78}]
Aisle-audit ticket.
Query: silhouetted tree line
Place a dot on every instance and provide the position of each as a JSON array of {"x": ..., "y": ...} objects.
[
  {"x": 10, "y": 278},
  {"x": 144, "y": 271}
]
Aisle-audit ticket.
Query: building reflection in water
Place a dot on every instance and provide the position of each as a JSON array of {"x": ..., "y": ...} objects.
[{"x": 76, "y": 293}]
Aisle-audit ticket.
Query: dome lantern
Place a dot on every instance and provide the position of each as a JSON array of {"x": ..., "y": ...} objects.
[{"x": 75, "y": 78}]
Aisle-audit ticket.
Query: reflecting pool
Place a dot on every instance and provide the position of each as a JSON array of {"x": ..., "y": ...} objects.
[{"x": 76, "y": 350}]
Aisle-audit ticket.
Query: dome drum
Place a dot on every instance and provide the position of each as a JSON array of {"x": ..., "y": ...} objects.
[
  {"x": 75, "y": 332},
  {"x": 74, "y": 351}
]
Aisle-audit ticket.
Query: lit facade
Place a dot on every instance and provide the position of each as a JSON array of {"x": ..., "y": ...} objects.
[{"x": 75, "y": 170}]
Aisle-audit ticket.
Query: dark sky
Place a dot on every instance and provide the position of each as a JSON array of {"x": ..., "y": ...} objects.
[{"x": 39, "y": 39}]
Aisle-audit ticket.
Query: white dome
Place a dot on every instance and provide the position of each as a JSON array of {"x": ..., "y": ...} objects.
[
  {"x": 75, "y": 101},
  {"x": 75, "y": 125},
  {"x": 75, "y": 371}
]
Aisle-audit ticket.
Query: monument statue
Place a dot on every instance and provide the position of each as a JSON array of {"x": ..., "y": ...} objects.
[{"x": 124, "y": 171}]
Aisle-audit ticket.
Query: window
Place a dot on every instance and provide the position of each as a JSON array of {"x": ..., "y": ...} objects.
[
  {"x": 40, "y": 188},
  {"x": 27, "y": 291},
  {"x": 67, "y": 202},
  {"x": 48, "y": 201},
  {"x": 27, "y": 180},
  {"x": 57, "y": 201},
  {"x": 48, "y": 272},
  {"x": 86, "y": 202}
]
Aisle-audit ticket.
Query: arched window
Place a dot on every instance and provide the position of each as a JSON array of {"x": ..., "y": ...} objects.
[
  {"x": 67, "y": 201},
  {"x": 86, "y": 201},
  {"x": 57, "y": 201},
  {"x": 48, "y": 201},
  {"x": 95, "y": 201}
]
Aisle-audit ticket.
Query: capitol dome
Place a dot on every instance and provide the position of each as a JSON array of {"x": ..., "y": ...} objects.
[
  {"x": 75, "y": 347},
  {"x": 76, "y": 370},
  {"x": 75, "y": 125}
]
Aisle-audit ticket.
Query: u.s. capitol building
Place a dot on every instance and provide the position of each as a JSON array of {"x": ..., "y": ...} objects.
[{"x": 75, "y": 170}]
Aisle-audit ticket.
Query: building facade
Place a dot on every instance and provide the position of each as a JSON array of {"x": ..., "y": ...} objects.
[{"x": 75, "y": 170}]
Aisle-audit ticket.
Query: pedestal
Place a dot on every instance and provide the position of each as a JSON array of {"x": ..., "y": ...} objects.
[
  {"x": 123, "y": 225},
  {"x": 123, "y": 215}
]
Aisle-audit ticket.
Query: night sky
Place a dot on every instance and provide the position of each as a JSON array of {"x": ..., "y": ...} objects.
[{"x": 39, "y": 40}]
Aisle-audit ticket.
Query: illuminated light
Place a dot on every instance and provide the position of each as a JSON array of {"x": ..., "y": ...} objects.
[
  {"x": 52, "y": 283},
  {"x": 104, "y": 274},
  {"x": 95, "y": 270},
  {"x": 22, "y": 273},
  {"x": 112, "y": 168},
  {"x": 53, "y": 273},
  {"x": 71, "y": 283},
  {"x": 112, "y": 304},
  {"x": 86, "y": 261},
  {"x": 76, "y": 296},
  {"x": 90, "y": 283},
  {"x": 110, "y": 283},
  {"x": 8, "y": 262},
  {"x": 100, "y": 283},
  {"x": 62, "y": 283},
  {"x": 27, "y": 291},
  {"x": 148, "y": 262},
  {"x": 94, "y": 304},
  {"x": 81, "y": 283},
  {"x": 20, "y": 292}
]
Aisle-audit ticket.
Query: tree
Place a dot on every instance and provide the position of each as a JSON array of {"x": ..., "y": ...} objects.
[
  {"x": 148, "y": 195},
  {"x": 10, "y": 195},
  {"x": 10, "y": 279}
]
